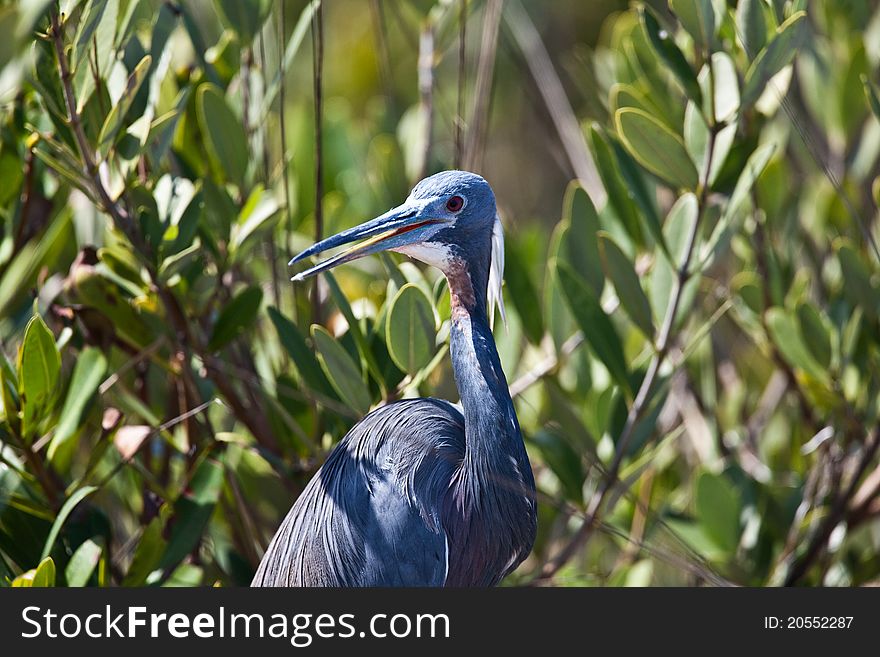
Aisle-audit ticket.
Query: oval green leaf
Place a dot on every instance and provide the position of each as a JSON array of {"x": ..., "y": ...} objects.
[
  {"x": 302, "y": 355},
  {"x": 236, "y": 317},
  {"x": 786, "y": 335},
  {"x": 82, "y": 563},
  {"x": 698, "y": 18},
  {"x": 656, "y": 147},
  {"x": 629, "y": 291},
  {"x": 88, "y": 373},
  {"x": 718, "y": 508},
  {"x": 790, "y": 36},
  {"x": 344, "y": 374},
  {"x": 815, "y": 334},
  {"x": 598, "y": 330},
  {"x": 223, "y": 134},
  {"x": 580, "y": 248},
  {"x": 410, "y": 332},
  {"x": 38, "y": 367},
  {"x": 663, "y": 42}
]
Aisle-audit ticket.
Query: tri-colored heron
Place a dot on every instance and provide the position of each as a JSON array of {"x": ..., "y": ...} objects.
[{"x": 419, "y": 493}]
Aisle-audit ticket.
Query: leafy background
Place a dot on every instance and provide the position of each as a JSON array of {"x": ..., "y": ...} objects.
[{"x": 693, "y": 284}]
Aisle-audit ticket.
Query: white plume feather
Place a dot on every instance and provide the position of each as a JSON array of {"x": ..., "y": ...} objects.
[{"x": 496, "y": 273}]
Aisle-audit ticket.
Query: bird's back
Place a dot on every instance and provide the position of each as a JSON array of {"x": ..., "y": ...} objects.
[{"x": 371, "y": 516}]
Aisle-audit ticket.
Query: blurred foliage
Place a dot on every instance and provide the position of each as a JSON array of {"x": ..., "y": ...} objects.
[{"x": 695, "y": 362}]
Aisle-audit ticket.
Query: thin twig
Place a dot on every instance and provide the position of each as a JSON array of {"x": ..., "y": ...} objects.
[
  {"x": 646, "y": 390},
  {"x": 272, "y": 248},
  {"x": 426, "y": 95},
  {"x": 255, "y": 421},
  {"x": 377, "y": 14},
  {"x": 550, "y": 86},
  {"x": 838, "y": 509},
  {"x": 318, "y": 71},
  {"x": 462, "y": 74},
  {"x": 474, "y": 148}
]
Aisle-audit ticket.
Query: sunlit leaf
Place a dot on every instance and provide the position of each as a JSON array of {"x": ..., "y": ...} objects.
[
  {"x": 342, "y": 372},
  {"x": 751, "y": 26},
  {"x": 87, "y": 376},
  {"x": 597, "y": 327},
  {"x": 656, "y": 147},
  {"x": 786, "y": 335},
  {"x": 301, "y": 354},
  {"x": 409, "y": 329},
  {"x": 115, "y": 119},
  {"x": 82, "y": 563},
  {"x": 789, "y": 38},
  {"x": 698, "y": 18},
  {"x": 38, "y": 367},
  {"x": 629, "y": 290}
]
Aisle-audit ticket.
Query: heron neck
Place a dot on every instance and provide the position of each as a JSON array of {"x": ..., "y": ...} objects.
[{"x": 490, "y": 419}]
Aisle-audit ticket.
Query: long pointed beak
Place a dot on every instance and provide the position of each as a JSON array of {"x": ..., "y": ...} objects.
[{"x": 402, "y": 225}]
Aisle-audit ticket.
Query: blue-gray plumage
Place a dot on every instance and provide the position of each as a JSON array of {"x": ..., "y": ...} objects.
[{"x": 419, "y": 493}]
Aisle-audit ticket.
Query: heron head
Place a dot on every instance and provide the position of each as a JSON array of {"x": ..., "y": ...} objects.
[
  {"x": 448, "y": 221},
  {"x": 446, "y": 215}
]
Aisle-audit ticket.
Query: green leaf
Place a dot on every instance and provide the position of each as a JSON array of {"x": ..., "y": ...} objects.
[
  {"x": 522, "y": 293},
  {"x": 678, "y": 227},
  {"x": 656, "y": 147},
  {"x": 726, "y": 99},
  {"x": 815, "y": 334},
  {"x": 620, "y": 195},
  {"x": 43, "y": 576},
  {"x": 300, "y": 30},
  {"x": 78, "y": 496},
  {"x": 243, "y": 16},
  {"x": 857, "y": 280},
  {"x": 192, "y": 511},
  {"x": 564, "y": 461},
  {"x": 789, "y": 38},
  {"x": 718, "y": 508},
  {"x": 223, "y": 134},
  {"x": 410, "y": 331},
  {"x": 785, "y": 333},
  {"x": 87, "y": 376},
  {"x": 354, "y": 328},
  {"x": 751, "y": 26},
  {"x": 871, "y": 96},
  {"x": 256, "y": 214},
  {"x": 597, "y": 327},
  {"x": 302, "y": 355},
  {"x": 344, "y": 374},
  {"x": 149, "y": 553},
  {"x": 664, "y": 44},
  {"x": 698, "y": 18},
  {"x": 115, "y": 119},
  {"x": 739, "y": 199},
  {"x": 38, "y": 367},
  {"x": 238, "y": 315},
  {"x": 82, "y": 563},
  {"x": 581, "y": 248},
  {"x": 629, "y": 290},
  {"x": 644, "y": 199}
]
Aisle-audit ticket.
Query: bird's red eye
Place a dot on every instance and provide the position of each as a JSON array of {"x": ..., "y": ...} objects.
[{"x": 455, "y": 203}]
